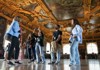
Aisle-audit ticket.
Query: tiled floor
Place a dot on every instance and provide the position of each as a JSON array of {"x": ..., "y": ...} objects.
[{"x": 64, "y": 65}]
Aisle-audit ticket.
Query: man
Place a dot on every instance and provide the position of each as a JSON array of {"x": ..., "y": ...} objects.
[
  {"x": 57, "y": 38},
  {"x": 14, "y": 31}
]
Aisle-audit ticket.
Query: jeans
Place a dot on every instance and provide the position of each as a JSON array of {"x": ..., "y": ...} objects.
[
  {"x": 34, "y": 52},
  {"x": 57, "y": 55},
  {"x": 39, "y": 53},
  {"x": 74, "y": 53},
  {"x": 30, "y": 51}
]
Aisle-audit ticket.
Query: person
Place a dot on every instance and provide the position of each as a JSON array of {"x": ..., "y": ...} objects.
[
  {"x": 39, "y": 47},
  {"x": 6, "y": 52},
  {"x": 28, "y": 47},
  {"x": 33, "y": 43},
  {"x": 57, "y": 38},
  {"x": 14, "y": 31},
  {"x": 21, "y": 52},
  {"x": 74, "y": 40}
]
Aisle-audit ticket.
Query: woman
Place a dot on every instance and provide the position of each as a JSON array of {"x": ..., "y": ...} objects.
[
  {"x": 39, "y": 47},
  {"x": 31, "y": 45},
  {"x": 21, "y": 53},
  {"x": 28, "y": 42},
  {"x": 75, "y": 39}
]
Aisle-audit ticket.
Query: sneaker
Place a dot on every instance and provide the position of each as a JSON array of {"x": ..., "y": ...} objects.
[
  {"x": 57, "y": 63},
  {"x": 43, "y": 62},
  {"x": 71, "y": 64},
  {"x": 5, "y": 60},
  {"x": 77, "y": 65},
  {"x": 37, "y": 62},
  {"x": 51, "y": 63},
  {"x": 18, "y": 62},
  {"x": 31, "y": 61},
  {"x": 10, "y": 63}
]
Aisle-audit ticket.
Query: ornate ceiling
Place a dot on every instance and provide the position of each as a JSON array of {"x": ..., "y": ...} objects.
[
  {"x": 65, "y": 9},
  {"x": 46, "y": 13}
]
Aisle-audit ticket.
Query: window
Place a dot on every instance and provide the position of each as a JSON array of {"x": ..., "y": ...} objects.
[
  {"x": 66, "y": 48},
  {"x": 94, "y": 65},
  {"x": 92, "y": 48},
  {"x": 48, "y": 48}
]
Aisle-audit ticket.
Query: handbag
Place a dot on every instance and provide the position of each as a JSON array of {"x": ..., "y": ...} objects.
[
  {"x": 53, "y": 46},
  {"x": 8, "y": 37}
]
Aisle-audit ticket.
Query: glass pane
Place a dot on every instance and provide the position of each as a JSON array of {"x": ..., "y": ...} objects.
[
  {"x": 48, "y": 48},
  {"x": 92, "y": 48},
  {"x": 66, "y": 48}
]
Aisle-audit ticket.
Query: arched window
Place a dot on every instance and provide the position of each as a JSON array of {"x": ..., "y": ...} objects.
[
  {"x": 48, "y": 48},
  {"x": 92, "y": 48},
  {"x": 66, "y": 48}
]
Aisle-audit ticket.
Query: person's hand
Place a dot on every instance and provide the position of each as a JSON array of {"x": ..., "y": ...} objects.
[
  {"x": 56, "y": 41},
  {"x": 30, "y": 46},
  {"x": 56, "y": 44},
  {"x": 75, "y": 36},
  {"x": 70, "y": 42},
  {"x": 19, "y": 31},
  {"x": 71, "y": 34}
]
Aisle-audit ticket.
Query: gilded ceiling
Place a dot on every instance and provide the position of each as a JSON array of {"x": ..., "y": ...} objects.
[
  {"x": 46, "y": 13},
  {"x": 65, "y": 9}
]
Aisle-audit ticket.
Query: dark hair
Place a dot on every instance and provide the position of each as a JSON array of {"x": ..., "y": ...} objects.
[
  {"x": 17, "y": 18},
  {"x": 76, "y": 22},
  {"x": 29, "y": 36},
  {"x": 58, "y": 26}
]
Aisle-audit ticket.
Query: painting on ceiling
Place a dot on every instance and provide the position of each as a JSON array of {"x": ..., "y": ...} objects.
[{"x": 65, "y": 9}]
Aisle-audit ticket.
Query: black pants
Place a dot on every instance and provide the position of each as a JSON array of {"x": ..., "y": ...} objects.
[
  {"x": 34, "y": 52},
  {"x": 14, "y": 44},
  {"x": 30, "y": 51}
]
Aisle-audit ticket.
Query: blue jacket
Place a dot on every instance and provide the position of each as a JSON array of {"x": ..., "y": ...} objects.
[{"x": 14, "y": 29}]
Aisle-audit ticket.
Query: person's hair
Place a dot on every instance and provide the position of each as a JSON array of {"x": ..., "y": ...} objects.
[
  {"x": 17, "y": 18},
  {"x": 57, "y": 26},
  {"x": 76, "y": 22},
  {"x": 29, "y": 36},
  {"x": 34, "y": 30}
]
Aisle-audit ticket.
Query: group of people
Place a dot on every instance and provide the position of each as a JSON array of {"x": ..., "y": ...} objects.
[{"x": 35, "y": 43}]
